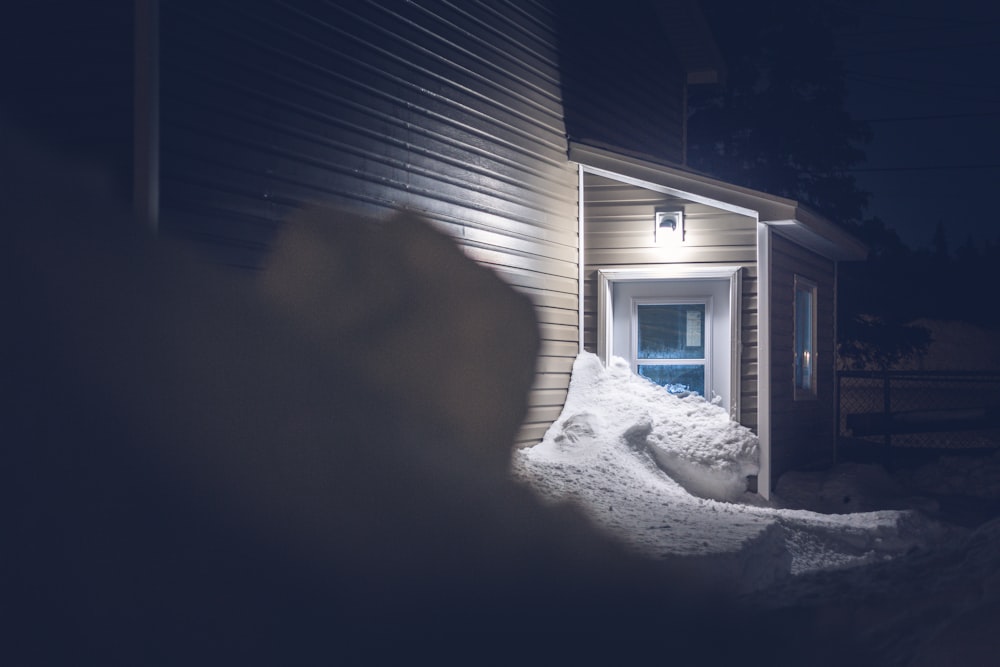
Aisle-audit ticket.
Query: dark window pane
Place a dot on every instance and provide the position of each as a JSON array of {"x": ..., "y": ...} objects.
[
  {"x": 804, "y": 353},
  {"x": 675, "y": 331},
  {"x": 676, "y": 378}
]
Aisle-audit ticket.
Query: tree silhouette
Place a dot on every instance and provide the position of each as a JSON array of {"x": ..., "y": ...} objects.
[
  {"x": 939, "y": 243},
  {"x": 779, "y": 123}
]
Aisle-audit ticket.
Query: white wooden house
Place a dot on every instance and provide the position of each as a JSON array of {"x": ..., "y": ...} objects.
[{"x": 547, "y": 138}]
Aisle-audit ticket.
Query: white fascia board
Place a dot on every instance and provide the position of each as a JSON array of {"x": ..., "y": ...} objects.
[
  {"x": 669, "y": 272},
  {"x": 821, "y": 236},
  {"x": 675, "y": 181},
  {"x": 668, "y": 190}
]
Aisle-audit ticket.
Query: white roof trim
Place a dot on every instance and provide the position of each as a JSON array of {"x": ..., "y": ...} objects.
[
  {"x": 786, "y": 216},
  {"x": 669, "y": 272},
  {"x": 674, "y": 192}
]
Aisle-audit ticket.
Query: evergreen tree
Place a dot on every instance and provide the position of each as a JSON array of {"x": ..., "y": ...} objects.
[
  {"x": 939, "y": 243},
  {"x": 779, "y": 124}
]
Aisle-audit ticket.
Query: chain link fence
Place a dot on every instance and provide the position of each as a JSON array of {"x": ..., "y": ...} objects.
[{"x": 939, "y": 409}]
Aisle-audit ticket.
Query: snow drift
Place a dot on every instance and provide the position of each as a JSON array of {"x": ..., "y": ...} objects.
[{"x": 691, "y": 439}]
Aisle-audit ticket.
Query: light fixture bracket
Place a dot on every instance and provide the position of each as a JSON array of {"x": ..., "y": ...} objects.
[{"x": 669, "y": 224}]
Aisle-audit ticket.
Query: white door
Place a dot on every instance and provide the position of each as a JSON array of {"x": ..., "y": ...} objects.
[{"x": 677, "y": 333}]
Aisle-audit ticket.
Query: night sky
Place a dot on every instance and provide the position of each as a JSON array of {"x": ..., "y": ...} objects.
[{"x": 927, "y": 77}]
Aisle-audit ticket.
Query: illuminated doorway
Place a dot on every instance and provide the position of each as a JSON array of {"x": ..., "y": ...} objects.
[{"x": 682, "y": 333}]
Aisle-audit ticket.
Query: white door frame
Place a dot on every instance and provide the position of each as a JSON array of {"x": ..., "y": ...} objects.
[{"x": 608, "y": 277}]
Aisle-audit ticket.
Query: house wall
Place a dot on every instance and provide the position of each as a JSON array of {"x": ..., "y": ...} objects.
[
  {"x": 619, "y": 233},
  {"x": 802, "y": 431},
  {"x": 452, "y": 109}
]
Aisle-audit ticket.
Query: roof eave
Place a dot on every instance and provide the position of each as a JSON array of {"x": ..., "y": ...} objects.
[{"x": 786, "y": 216}]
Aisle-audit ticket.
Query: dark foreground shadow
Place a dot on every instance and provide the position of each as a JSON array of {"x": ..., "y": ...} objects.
[{"x": 306, "y": 466}]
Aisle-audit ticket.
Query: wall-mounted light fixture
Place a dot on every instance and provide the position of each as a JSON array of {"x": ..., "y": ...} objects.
[{"x": 669, "y": 225}]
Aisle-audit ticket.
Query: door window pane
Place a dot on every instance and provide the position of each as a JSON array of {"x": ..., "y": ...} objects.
[
  {"x": 671, "y": 331},
  {"x": 676, "y": 378},
  {"x": 671, "y": 342}
]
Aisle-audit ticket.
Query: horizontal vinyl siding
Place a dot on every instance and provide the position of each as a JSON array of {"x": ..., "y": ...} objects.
[
  {"x": 619, "y": 233},
  {"x": 801, "y": 431},
  {"x": 453, "y": 110}
]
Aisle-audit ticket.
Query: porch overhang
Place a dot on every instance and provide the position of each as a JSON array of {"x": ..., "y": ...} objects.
[{"x": 785, "y": 216}]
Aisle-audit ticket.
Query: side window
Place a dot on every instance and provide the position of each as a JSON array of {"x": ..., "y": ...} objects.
[
  {"x": 805, "y": 338},
  {"x": 670, "y": 343}
]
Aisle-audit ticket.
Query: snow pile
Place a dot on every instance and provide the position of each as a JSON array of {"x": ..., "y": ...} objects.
[
  {"x": 692, "y": 440},
  {"x": 626, "y": 494},
  {"x": 845, "y": 489},
  {"x": 973, "y": 476},
  {"x": 629, "y": 454},
  {"x": 938, "y": 606}
]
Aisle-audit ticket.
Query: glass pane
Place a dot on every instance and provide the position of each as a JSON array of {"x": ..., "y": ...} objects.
[
  {"x": 676, "y": 378},
  {"x": 671, "y": 331},
  {"x": 804, "y": 353}
]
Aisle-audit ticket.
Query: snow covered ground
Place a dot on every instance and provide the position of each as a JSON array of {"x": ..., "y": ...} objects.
[
  {"x": 667, "y": 475},
  {"x": 873, "y": 559},
  {"x": 663, "y": 474}
]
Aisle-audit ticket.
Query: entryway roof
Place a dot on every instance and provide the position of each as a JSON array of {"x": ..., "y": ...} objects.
[{"x": 786, "y": 216}]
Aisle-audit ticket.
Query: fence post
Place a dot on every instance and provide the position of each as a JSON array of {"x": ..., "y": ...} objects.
[
  {"x": 887, "y": 405},
  {"x": 836, "y": 415}
]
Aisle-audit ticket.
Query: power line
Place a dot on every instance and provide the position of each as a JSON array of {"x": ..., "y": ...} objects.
[
  {"x": 907, "y": 17},
  {"x": 936, "y": 28},
  {"x": 943, "y": 167},
  {"x": 913, "y": 91},
  {"x": 940, "y": 116},
  {"x": 914, "y": 49},
  {"x": 921, "y": 82}
]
